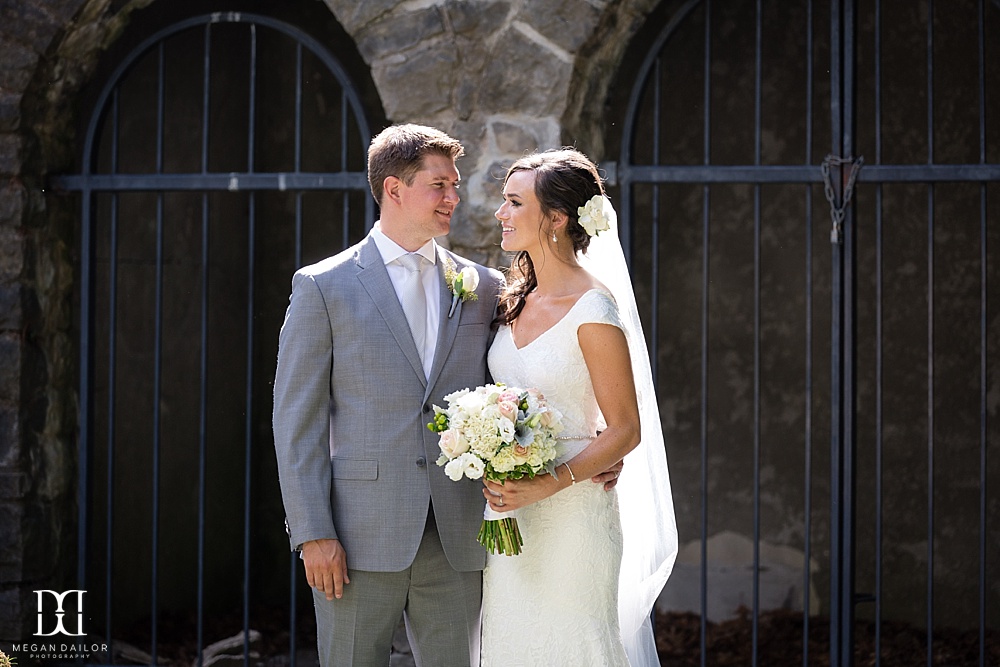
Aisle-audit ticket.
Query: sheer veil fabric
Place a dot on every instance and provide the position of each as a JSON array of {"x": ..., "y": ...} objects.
[{"x": 647, "y": 509}]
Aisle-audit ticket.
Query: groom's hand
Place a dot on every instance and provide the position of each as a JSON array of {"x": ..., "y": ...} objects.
[
  {"x": 609, "y": 478},
  {"x": 326, "y": 567}
]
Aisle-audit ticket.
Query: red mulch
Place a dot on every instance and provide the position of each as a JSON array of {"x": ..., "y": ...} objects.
[{"x": 779, "y": 642}]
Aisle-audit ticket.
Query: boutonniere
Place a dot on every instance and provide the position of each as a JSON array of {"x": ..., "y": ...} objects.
[{"x": 462, "y": 283}]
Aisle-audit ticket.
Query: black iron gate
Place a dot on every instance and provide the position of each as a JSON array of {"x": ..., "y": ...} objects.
[
  {"x": 224, "y": 152},
  {"x": 825, "y": 348}
]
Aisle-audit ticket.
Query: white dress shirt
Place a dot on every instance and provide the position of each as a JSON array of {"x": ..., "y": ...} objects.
[{"x": 390, "y": 251}]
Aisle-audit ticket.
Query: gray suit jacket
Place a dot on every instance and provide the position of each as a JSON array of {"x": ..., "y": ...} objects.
[{"x": 347, "y": 366}]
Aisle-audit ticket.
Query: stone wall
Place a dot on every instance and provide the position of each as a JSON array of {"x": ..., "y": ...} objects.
[
  {"x": 504, "y": 77},
  {"x": 46, "y": 53}
]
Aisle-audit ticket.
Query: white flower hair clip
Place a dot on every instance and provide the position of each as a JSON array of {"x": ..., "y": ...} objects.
[{"x": 595, "y": 216}]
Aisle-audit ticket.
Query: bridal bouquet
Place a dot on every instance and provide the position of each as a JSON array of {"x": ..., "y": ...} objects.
[{"x": 500, "y": 432}]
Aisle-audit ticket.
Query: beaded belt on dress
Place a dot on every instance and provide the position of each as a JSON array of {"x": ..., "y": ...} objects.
[{"x": 572, "y": 450}]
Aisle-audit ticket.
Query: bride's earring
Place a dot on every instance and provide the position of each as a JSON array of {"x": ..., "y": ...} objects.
[{"x": 554, "y": 239}]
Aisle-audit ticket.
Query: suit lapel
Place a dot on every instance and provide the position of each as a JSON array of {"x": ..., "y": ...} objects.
[
  {"x": 448, "y": 326},
  {"x": 375, "y": 279}
]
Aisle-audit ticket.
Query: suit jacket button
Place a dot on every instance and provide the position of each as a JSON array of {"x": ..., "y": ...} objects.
[
  {"x": 421, "y": 462},
  {"x": 427, "y": 409}
]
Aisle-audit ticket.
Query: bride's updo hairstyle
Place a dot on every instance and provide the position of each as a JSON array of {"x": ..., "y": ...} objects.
[{"x": 565, "y": 180}]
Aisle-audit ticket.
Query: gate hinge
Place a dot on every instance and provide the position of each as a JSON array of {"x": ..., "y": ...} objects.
[{"x": 837, "y": 211}]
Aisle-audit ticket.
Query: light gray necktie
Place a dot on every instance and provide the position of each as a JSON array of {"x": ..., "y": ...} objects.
[{"x": 413, "y": 298}]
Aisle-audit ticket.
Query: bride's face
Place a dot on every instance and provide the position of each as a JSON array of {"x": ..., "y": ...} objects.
[{"x": 520, "y": 214}]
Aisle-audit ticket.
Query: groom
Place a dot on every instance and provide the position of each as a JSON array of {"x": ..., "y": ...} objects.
[{"x": 367, "y": 346}]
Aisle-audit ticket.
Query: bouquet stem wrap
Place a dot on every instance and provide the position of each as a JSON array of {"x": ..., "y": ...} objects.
[
  {"x": 501, "y": 536},
  {"x": 499, "y": 533}
]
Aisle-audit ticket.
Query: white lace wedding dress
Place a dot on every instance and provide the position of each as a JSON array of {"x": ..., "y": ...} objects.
[{"x": 557, "y": 602}]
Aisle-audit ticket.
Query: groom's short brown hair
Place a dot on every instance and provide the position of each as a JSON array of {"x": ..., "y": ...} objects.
[{"x": 399, "y": 151}]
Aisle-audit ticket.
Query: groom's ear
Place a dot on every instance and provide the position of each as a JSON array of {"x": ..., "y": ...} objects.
[{"x": 391, "y": 186}]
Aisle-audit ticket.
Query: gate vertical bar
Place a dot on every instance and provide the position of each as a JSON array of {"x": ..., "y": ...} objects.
[
  {"x": 983, "y": 329},
  {"x": 849, "y": 308},
  {"x": 293, "y": 620},
  {"x": 843, "y": 299},
  {"x": 654, "y": 242},
  {"x": 87, "y": 293},
  {"x": 983, "y": 439},
  {"x": 251, "y": 268},
  {"x": 930, "y": 337},
  {"x": 112, "y": 370},
  {"x": 878, "y": 338},
  {"x": 157, "y": 357},
  {"x": 758, "y": 58},
  {"x": 203, "y": 359},
  {"x": 705, "y": 218},
  {"x": 808, "y": 389},
  {"x": 849, "y": 382},
  {"x": 836, "y": 349},
  {"x": 203, "y": 423},
  {"x": 298, "y": 159},
  {"x": 346, "y": 201}
]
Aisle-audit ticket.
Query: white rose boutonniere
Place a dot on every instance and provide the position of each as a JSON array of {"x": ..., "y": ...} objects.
[
  {"x": 462, "y": 284},
  {"x": 593, "y": 216}
]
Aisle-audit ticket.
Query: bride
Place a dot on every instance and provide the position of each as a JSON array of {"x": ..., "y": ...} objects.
[{"x": 593, "y": 562}]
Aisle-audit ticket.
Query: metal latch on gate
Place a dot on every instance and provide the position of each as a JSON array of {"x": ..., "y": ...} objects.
[{"x": 837, "y": 211}]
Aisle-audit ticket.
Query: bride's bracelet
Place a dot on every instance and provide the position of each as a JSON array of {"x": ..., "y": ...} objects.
[{"x": 572, "y": 477}]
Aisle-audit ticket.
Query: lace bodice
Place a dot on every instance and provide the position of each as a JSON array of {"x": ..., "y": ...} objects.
[{"x": 553, "y": 363}]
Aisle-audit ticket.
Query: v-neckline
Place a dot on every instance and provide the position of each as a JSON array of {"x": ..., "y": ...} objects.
[{"x": 554, "y": 324}]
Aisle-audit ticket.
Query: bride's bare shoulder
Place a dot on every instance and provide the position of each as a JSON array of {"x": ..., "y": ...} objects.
[
  {"x": 597, "y": 284},
  {"x": 584, "y": 282}
]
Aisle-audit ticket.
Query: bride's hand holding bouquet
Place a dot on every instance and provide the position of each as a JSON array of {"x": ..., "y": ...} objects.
[{"x": 497, "y": 433}]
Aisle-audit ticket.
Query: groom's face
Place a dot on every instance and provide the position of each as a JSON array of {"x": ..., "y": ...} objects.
[{"x": 429, "y": 201}]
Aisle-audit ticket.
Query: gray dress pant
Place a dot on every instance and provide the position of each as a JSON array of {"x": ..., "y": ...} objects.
[{"x": 441, "y": 608}]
